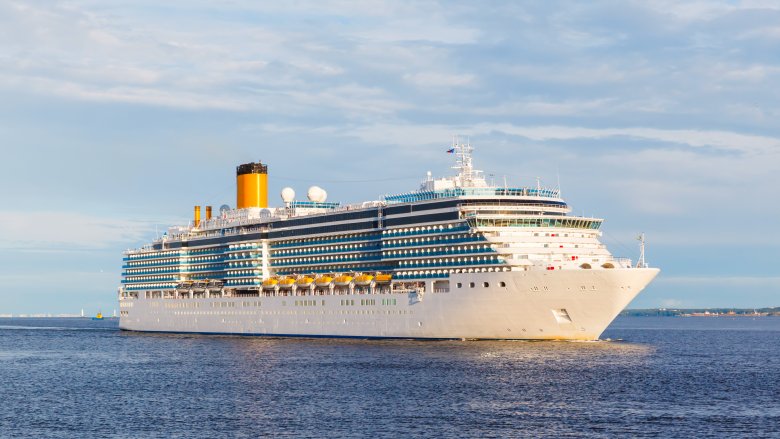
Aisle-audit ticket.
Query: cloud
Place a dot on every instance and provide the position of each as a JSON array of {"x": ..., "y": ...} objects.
[
  {"x": 68, "y": 231},
  {"x": 716, "y": 139},
  {"x": 431, "y": 79}
]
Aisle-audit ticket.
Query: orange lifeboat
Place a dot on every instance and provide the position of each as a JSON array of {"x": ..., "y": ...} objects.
[
  {"x": 383, "y": 278},
  {"x": 343, "y": 281},
  {"x": 323, "y": 281},
  {"x": 270, "y": 284},
  {"x": 304, "y": 282},
  {"x": 286, "y": 283},
  {"x": 364, "y": 279}
]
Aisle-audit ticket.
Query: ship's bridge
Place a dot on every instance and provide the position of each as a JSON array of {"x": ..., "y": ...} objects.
[{"x": 549, "y": 196}]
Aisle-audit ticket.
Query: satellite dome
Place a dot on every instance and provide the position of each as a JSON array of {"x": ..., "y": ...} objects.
[
  {"x": 288, "y": 195},
  {"x": 317, "y": 194},
  {"x": 224, "y": 208}
]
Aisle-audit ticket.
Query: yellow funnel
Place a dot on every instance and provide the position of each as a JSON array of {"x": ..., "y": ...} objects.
[
  {"x": 196, "y": 217},
  {"x": 251, "y": 185}
]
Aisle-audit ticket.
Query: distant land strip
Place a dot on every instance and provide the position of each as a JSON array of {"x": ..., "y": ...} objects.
[{"x": 703, "y": 312}]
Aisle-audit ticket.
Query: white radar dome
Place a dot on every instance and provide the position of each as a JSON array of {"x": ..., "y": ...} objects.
[
  {"x": 317, "y": 194},
  {"x": 288, "y": 195}
]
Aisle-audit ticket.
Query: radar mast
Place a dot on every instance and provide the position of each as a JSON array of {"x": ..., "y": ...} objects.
[{"x": 467, "y": 175}]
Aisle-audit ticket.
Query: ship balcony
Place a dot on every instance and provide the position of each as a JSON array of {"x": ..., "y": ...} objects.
[
  {"x": 149, "y": 279},
  {"x": 237, "y": 248},
  {"x": 203, "y": 269},
  {"x": 152, "y": 264},
  {"x": 363, "y": 238},
  {"x": 151, "y": 287},
  {"x": 427, "y": 230},
  {"x": 438, "y": 241},
  {"x": 151, "y": 271},
  {"x": 329, "y": 270},
  {"x": 307, "y": 252},
  {"x": 327, "y": 260},
  {"x": 240, "y": 257},
  {"x": 243, "y": 283},
  {"x": 447, "y": 252},
  {"x": 209, "y": 262},
  {"x": 428, "y": 274},
  {"x": 450, "y": 262},
  {"x": 241, "y": 265},
  {"x": 147, "y": 257},
  {"x": 244, "y": 274},
  {"x": 216, "y": 251}
]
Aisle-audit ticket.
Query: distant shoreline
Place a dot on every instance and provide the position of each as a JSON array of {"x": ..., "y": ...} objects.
[{"x": 703, "y": 312}]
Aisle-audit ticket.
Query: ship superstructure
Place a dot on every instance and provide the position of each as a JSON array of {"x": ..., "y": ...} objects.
[{"x": 457, "y": 258}]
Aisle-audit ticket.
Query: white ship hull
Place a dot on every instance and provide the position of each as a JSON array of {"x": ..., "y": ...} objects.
[{"x": 534, "y": 305}]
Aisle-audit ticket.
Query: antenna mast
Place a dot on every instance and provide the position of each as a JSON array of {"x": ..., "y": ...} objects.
[
  {"x": 641, "y": 262},
  {"x": 467, "y": 175}
]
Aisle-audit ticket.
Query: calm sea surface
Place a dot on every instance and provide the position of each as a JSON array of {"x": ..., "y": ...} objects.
[{"x": 658, "y": 377}]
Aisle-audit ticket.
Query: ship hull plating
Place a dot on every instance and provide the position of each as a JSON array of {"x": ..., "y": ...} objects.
[{"x": 530, "y": 305}]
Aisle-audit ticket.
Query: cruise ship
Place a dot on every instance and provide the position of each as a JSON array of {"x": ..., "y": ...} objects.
[{"x": 458, "y": 258}]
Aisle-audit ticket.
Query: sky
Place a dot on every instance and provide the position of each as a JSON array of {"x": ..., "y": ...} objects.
[{"x": 659, "y": 116}]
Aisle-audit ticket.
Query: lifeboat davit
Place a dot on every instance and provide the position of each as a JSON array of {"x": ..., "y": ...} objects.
[
  {"x": 343, "y": 280},
  {"x": 383, "y": 278},
  {"x": 364, "y": 279},
  {"x": 304, "y": 281},
  {"x": 323, "y": 281},
  {"x": 270, "y": 284},
  {"x": 286, "y": 283}
]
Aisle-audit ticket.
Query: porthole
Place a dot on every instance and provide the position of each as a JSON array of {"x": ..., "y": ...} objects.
[
  {"x": 460, "y": 285},
  {"x": 502, "y": 284},
  {"x": 472, "y": 285},
  {"x": 485, "y": 284}
]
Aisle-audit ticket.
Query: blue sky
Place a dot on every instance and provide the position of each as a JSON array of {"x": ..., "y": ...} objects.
[{"x": 117, "y": 117}]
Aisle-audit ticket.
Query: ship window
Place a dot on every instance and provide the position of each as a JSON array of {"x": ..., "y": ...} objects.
[
  {"x": 460, "y": 285},
  {"x": 485, "y": 284},
  {"x": 502, "y": 284},
  {"x": 472, "y": 284}
]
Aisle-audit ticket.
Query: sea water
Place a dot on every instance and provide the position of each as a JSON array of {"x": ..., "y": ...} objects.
[{"x": 649, "y": 377}]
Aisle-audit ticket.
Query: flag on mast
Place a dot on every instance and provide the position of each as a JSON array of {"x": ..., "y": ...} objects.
[{"x": 451, "y": 151}]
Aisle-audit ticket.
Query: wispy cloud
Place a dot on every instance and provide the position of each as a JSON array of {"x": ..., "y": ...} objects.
[
  {"x": 716, "y": 139},
  {"x": 58, "y": 231}
]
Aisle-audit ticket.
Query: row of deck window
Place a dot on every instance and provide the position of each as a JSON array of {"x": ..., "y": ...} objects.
[
  {"x": 569, "y": 223},
  {"x": 439, "y": 251},
  {"x": 329, "y": 240},
  {"x": 484, "y": 285},
  {"x": 326, "y": 259},
  {"x": 435, "y": 274},
  {"x": 434, "y": 240},
  {"x": 132, "y": 280},
  {"x": 332, "y": 249},
  {"x": 479, "y": 260},
  {"x": 424, "y": 230}
]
